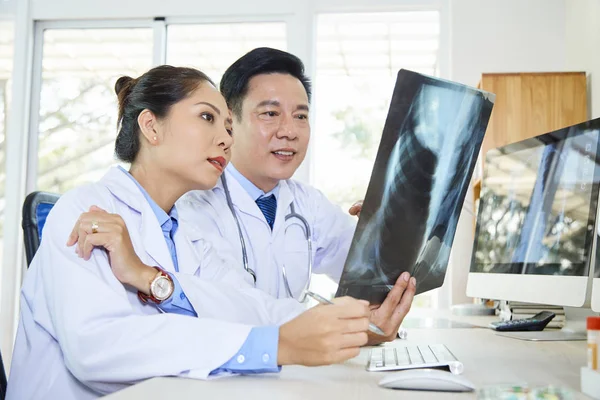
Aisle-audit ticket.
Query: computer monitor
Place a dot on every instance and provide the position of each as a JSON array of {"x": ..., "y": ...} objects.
[
  {"x": 536, "y": 222},
  {"x": 595, "y": 273}
]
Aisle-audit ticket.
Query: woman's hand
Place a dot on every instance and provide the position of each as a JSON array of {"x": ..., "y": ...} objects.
[
  {"x": 326, "y": 334},
  {"x": 98, "y": 228}
]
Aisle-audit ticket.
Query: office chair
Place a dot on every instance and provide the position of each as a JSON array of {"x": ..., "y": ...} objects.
[{"x": 36, "y": 207}]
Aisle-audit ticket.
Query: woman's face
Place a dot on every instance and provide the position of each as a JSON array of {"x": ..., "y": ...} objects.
[{"x": 196, "y": 138}]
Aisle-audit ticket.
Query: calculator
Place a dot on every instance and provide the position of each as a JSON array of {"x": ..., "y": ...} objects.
[{"x": 536, "y": 323}]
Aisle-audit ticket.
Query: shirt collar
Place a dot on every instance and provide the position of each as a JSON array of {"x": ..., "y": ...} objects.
[
  {"x": 254, "y": 192},
  {"x": 161, "y": 215}
]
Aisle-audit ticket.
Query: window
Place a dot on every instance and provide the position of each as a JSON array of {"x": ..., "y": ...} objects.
[
  {"x": 6, "y": 65},
  {"x": 358, "y": 57},
  {"x": 78, "y": 105},
  {"x": 212, "y": 48}
]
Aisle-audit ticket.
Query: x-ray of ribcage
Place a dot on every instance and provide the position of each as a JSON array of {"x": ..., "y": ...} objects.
[{"x": 424, "y": 164}]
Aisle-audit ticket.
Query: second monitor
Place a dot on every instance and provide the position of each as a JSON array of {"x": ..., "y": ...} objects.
[{"x": 537, "y": 218}]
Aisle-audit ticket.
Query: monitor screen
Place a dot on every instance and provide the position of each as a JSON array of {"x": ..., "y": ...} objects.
[{"x": 538, "y": 205}]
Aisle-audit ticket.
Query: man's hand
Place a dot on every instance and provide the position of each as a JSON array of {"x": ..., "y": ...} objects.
[
  {"x": 390, "y": 314},
  {"x": 356, "y": 208},
  {"x": 98, "y": 228}
]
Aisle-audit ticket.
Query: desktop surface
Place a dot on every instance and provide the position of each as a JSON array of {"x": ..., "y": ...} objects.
[
  {"x": 488, "y": 359},
  {"x": 436, "y": 323}
]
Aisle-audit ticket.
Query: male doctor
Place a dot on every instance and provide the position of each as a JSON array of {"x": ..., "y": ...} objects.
[{"x": 279, "y": 229}]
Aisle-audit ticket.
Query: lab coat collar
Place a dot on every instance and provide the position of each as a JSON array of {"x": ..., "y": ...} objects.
[
  {"x": 124, "y": 189},
  {"x": 240, "y": 197}
]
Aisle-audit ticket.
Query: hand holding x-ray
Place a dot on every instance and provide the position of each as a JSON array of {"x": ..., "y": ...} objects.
[
  {"x": 389, "y": 315},
  {"x": 356, "y": 208}
]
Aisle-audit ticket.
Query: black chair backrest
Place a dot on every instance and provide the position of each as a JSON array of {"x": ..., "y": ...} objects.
[
  {"x": 36, "y": 207},
  {"x": 2, "y": 379}
]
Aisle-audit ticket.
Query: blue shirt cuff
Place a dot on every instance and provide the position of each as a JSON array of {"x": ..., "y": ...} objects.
[
  {"x": 178, "y": 303},
  {"x": 257, "y": 355}
]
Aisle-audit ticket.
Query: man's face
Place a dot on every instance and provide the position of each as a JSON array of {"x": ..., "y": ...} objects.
[{"x": 271, "y": 137}]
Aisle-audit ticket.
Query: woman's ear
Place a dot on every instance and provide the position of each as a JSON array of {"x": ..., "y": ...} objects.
[{"x": 149, "y": 126}]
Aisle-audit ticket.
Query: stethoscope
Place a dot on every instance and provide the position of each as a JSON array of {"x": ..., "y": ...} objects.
[{"x": 291, "y": 215}]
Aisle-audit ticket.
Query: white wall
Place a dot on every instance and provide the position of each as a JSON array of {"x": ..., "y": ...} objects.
[
  {"x": 506, "y": 36},
  {"x": 583, "y": 46},
  {"x": 8, "y": 8},
  {"x": 497, "y": 36}
]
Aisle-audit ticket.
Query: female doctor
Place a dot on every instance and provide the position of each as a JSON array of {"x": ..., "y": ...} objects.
[
  {"x": 279, "y": 231},
  {"x": 157, "y": 301}
]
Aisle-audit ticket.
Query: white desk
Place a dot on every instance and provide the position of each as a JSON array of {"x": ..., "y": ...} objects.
[{"x": 488, "y": 359}]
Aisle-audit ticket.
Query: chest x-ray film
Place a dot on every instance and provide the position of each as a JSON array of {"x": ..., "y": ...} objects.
[{"x": 428, "y": 150}]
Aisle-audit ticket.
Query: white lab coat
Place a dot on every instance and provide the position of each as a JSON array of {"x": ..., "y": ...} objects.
[
  {"x": 82, "y": 333},
  {"x": 332, "y": 230}
]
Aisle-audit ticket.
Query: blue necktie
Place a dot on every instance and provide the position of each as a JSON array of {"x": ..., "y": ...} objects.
[{"x": 268, "y": 206}]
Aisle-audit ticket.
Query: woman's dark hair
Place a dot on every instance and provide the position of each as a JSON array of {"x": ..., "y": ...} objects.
[
  {"x": 263, "y": 60},
  {"x": 157, "y": 90}
]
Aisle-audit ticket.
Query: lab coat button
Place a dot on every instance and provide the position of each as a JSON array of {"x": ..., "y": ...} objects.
[
  {"x": 241, "y": 359},
  {"x": 266, "y": 358}
]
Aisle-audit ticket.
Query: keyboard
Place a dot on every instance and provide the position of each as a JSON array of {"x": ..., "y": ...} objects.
[{"x": 409, "y": 357}]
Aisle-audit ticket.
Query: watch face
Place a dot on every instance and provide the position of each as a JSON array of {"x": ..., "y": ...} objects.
[{"x": 161, "y": 288}]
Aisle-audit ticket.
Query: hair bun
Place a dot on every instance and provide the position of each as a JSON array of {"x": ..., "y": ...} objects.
[{"x": 123, "y": 83}]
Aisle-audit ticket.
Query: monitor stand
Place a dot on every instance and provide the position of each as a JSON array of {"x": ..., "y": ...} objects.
[{"x": 574, "y": 329}]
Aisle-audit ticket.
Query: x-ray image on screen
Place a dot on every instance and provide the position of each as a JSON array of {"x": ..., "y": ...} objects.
[
  {"x": 538, "y": 205},
  {"x": 426, "y": 157}
]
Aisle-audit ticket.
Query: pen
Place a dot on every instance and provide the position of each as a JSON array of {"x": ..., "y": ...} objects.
[
  {"x": 402, "y": 333},
  {"x": 372, "y": 327}
]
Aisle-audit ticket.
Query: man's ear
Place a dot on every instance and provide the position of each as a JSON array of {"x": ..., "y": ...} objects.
[{"x": 149, "y": 126}]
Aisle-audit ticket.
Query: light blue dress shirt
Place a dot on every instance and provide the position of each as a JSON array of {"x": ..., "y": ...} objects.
[
  {"x": 254, "y": 192},
  {"x": 258, "y": 354}
]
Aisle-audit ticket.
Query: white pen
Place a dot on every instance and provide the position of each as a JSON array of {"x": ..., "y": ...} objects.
[
  {"x": 372, "y": 327},
  {"x": 402, "y": 333}
]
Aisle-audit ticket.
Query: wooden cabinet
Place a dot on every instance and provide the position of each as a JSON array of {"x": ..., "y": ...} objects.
[{"x": 529, "y": 104}]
